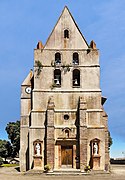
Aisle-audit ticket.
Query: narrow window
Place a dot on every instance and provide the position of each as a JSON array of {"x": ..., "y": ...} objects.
[
  {"x": 76, "y": 78},
  {"x": 66, "y": 133},
  {"x": 57, "y": 77},
  {"x": 66, "y": 33},
  {"x": 75, "y": 58},
  {"x": 57, "y": 58}
]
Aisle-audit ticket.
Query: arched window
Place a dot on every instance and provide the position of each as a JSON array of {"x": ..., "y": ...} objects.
[
  {"x": 76, "y": 78},
  {"x": 57, "y": 77},
  {"x": 66, "y": 33},
  {"x": 75, "y": 58},
  {"x": 66, "y": 133},
  {"x": 57, "y": 58}
]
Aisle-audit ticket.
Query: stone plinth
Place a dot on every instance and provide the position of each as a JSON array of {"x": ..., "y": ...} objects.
[
  {"x": 37, "y": 162},
  {"x": 96, "y": 162}
]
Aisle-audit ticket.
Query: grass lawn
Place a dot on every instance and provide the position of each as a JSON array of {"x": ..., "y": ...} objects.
[{"x": 9, "y": 165}]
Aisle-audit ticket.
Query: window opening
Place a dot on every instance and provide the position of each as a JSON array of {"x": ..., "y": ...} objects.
[
  {"x": 66, "y": 133},
  {"x": 58, "y": 58},
  {"x": 66, "y": 33},
  {"x": 66, "y": 116},
  {"x": 57, "y": 77},
  {"x": 75, "y": 58},
  {"x": 76, "y": 78}
]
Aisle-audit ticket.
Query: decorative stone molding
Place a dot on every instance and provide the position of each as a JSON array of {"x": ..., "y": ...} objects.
[
  {"x": 37, "y": 144},
  {"x": 95, "y": 147},
  {"x": 50, "y": 105},
  {"x": 95, "y": 153},
  {"x": 67, "y": 134}
]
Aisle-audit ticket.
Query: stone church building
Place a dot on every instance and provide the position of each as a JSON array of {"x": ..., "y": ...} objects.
[{"x": 63, "y": 123}]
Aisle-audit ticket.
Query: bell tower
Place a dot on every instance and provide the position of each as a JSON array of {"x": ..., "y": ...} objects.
[{"x": 68, "y": 124}]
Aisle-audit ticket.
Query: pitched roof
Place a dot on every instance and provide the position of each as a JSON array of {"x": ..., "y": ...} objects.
[
  {"x": 64, "y": 19},
  {"x": 27, "y": 81}
]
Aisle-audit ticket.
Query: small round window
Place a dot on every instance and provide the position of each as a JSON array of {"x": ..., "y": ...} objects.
[{"x": 66, "y": 116}]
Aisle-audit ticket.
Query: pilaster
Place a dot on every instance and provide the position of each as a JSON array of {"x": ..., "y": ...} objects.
[
  {"x": 83, "y": 133},
  {"x": 50, "y": 143},
  {"x": 107, "y": 159}
]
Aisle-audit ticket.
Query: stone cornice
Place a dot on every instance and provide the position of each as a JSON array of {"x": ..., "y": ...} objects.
[{"x": 69, "y": 91}]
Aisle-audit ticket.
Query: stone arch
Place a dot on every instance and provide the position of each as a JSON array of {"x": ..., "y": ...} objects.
[
  {"x": 57, "y": 77},
  {"x": 76, "y": 78},
  {"x": 57, "y": 58},
  {"x": 37, "y": 144},
  {"x": 66, "y": 33},
  {"x": 75, "y": 59}
]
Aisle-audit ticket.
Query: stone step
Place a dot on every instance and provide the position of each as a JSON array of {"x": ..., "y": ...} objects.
[
  {"x": 33, "y": 171},
  {"x": 56, "y": 172},
  {"x": 66, "y": 172}
]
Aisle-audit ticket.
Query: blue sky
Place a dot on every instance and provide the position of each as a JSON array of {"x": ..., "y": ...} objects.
[{"x": 23, "y": 23}]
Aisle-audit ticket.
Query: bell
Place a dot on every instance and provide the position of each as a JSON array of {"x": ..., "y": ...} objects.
[
  {"x": 57, "y": 82},
  {"x": 75, "y": 62},
  {"x": 76, "y": 82}
]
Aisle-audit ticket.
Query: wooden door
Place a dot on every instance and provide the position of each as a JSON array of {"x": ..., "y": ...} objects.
[{"x": 66, "y": 155}]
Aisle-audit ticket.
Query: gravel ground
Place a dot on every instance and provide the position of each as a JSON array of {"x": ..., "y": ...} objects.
[{"x": 11, "y": 173}]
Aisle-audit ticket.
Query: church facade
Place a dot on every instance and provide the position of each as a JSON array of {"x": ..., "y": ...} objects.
[{"x": 63, "y": 122}]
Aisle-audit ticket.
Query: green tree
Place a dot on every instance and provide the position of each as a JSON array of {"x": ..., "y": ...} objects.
[
  {"x": 13, "y": 131},
  {"x": 1, "y": 161},
  {"x": 110, "y": 141},
  {"x": 5, "y": 149}
]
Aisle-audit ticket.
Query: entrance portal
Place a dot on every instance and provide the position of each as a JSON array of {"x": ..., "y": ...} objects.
[{"x": 67, "y": 156}]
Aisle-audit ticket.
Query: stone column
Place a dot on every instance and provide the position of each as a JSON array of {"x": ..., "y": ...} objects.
[
  {"x": 50, "y": 142},
  {"x": 24, "y": 128},
  {"x": 107, "y": 158},
  {"x": 83, "y": 133},
  {"x": 24, "y": 149}
]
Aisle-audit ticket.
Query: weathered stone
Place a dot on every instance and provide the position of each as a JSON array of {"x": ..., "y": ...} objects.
[{"x": 62, "y": 107}]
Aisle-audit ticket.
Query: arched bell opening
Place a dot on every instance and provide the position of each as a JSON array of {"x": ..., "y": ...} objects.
[{"x": 76, "y": 78}]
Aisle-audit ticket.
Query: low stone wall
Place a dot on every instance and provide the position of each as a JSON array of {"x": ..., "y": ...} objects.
[{"x": 117, "y": 161}]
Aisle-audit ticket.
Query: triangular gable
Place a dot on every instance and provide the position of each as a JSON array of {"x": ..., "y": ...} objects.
[
  {"x": 27, "y": 81},
  {"x": 56, "y": 39}
]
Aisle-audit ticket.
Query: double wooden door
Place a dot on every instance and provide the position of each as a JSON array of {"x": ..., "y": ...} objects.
[{"x": 67, "y": 155}]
